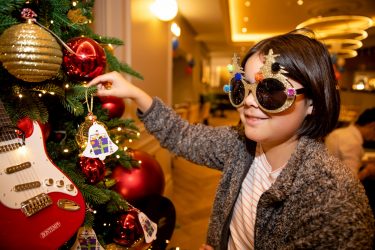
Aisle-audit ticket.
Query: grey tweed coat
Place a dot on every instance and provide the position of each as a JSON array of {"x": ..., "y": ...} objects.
[{"x": 315, "y": 203}]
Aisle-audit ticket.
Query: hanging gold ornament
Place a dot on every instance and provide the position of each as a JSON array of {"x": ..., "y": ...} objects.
[
  {"x": 30, "y": 53},
  {"x": 76, "y": 16},
  {"x": 83, "y": 130}
]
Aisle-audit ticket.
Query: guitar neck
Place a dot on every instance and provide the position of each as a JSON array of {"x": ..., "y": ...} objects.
[{"x": 7, "y": 129}]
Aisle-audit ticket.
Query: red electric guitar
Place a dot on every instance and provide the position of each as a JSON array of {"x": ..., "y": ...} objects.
[{"x": 40, "y": 207}]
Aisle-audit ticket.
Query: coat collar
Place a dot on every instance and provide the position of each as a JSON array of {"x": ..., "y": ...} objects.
[{"x": 282, "y": 187}]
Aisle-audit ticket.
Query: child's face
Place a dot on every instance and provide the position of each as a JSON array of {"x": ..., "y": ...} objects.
[{"x": 271, "y": 128}]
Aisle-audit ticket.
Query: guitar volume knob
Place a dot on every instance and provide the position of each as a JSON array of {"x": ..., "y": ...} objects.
[
  {"x": 70, "y": 187},
  {"x": 48, "y": 182},
  {"x": 60, "y": 183}
]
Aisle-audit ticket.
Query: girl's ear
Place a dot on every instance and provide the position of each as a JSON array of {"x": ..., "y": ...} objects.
[{"x": 310, "y": 108}]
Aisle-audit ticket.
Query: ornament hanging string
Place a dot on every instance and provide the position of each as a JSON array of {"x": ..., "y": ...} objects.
[
  {"x": 90, "y": 104},
  {"x": 29, "y": 15}
]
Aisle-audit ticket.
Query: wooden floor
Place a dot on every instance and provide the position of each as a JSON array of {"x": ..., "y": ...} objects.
[{"x": 193, "y": 192}]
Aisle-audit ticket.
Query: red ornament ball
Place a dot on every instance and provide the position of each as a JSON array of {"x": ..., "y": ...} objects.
[
  {"x": 88, "y": 62},
  {"x": 142, "y": 181},
  {"x": 26, "y": 125},
  {"x": 115, "y": 106},
  {"x": 128, "y": 230},
  {"x": 92, "y": 168},
  {"x": 46, "y": 129}
]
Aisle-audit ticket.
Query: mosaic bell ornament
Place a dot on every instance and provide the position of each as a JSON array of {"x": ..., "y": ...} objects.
[
  {"x": 30, "y": 53},
  {"x": 99, "y": 143},
  {"x": 83, "y": 130},
  {"x": 88, "y": 60}
]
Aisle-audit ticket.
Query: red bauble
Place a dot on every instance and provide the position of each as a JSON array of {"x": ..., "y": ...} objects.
[
  {"x": 88, "y": 61},
  {"x": 114, "y": 105},
  {"x": 46, "y": 129},
  {"x": 26, "y": 125},
  {"x": 128, "y": 230},
  {"x": 142, "y": 181},
  {"x": 92, "y": 168},
  {"x": 59, "y": 136}
]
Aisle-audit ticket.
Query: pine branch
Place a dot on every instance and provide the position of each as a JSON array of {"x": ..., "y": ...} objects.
[
  {"x": 79, "y": 92},
  {"x": 117, "y": 203},
  {"x": 125, "y": 160},
  {"x": 89, "y": 219},
  {"x": 127, "y": 123},
  {"x": 47, "y": 88},
  {"x": 108, "y": 40},
  {"x": 94, "y": 195},
  {"x": 9, "y": 6},
  {"x": 73, "y": 105},
  {"x": 6, "y": 22},
  {"x": 30, "y": 106},
  {"x": 115, "y": 65}
]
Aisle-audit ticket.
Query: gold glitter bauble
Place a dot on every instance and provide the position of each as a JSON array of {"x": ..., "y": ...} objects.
[
  {"x": 82, "y": 135},
  {"x": 30, "y": 53}
]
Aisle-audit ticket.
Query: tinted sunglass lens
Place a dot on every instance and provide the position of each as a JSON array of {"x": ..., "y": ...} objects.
[
  {"x": 237, "y": 93},
  {"x": 271, "y": 93}
]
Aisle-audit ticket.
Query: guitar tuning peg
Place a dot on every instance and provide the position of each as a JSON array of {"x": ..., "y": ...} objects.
[{"x": 227, "y": 88}]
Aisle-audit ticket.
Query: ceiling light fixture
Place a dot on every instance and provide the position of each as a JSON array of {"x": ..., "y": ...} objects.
[
  {"x": 165, "y": 10},
  {"x": 341, "y": 34},
  {"x": 337, "y": 23},
  {"x": 175, "y": 29}
]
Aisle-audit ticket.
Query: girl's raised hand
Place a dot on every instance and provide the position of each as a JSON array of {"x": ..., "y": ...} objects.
[{"x": 114, "y": 84}]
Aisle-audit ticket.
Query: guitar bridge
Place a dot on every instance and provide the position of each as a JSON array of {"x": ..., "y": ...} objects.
[{"x": 35, "y": 204}]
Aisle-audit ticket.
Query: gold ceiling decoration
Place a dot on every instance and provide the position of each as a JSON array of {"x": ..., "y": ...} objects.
[{"x": 341, "y": 34}]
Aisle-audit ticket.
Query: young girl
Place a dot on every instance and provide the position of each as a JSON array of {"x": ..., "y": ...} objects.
[{"x": 279, "y": 188}]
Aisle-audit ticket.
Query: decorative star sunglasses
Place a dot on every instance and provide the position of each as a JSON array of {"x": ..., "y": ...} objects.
[{"x": 272, "y": 91}]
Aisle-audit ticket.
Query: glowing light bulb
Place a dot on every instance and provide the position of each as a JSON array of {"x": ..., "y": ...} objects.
[
  {"x": 175, "y": 29},
  {"x": 165, "y": 10}
]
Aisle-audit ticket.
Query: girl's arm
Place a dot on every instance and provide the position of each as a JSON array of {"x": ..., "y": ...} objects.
[{"x": 114, "y": 84}]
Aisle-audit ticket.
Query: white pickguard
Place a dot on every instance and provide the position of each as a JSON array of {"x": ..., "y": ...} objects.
[{"x": 42, "y": 170}]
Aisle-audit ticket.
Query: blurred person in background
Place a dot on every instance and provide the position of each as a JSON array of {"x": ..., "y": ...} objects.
[{"x": 347, "y": 144}]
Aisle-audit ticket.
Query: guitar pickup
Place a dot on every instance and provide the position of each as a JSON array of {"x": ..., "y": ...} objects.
[
  {"x": 16, "y": 168},
  {"x": 10, "y": 147},
  {"x": 35, "y": 204},
  {"x": 27, "y": 186}
]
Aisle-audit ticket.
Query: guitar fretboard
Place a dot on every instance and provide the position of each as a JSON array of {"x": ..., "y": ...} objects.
[{"x": 7, "y": 130}]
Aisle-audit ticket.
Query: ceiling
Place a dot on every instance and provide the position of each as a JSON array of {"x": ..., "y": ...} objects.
[{"x": 210, "y": 19}]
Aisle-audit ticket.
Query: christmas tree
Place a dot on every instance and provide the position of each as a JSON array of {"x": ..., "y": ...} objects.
[{"x": 48, "y": 51}]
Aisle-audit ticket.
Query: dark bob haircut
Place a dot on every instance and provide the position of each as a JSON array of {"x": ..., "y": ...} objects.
[{"x": 308, "y": 62}]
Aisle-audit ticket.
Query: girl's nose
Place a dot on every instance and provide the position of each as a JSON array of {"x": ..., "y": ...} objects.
[{"x": 250, "y": 100}]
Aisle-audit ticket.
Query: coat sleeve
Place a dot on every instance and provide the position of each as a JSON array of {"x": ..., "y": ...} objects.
[{"x": 201, "y": 144}]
